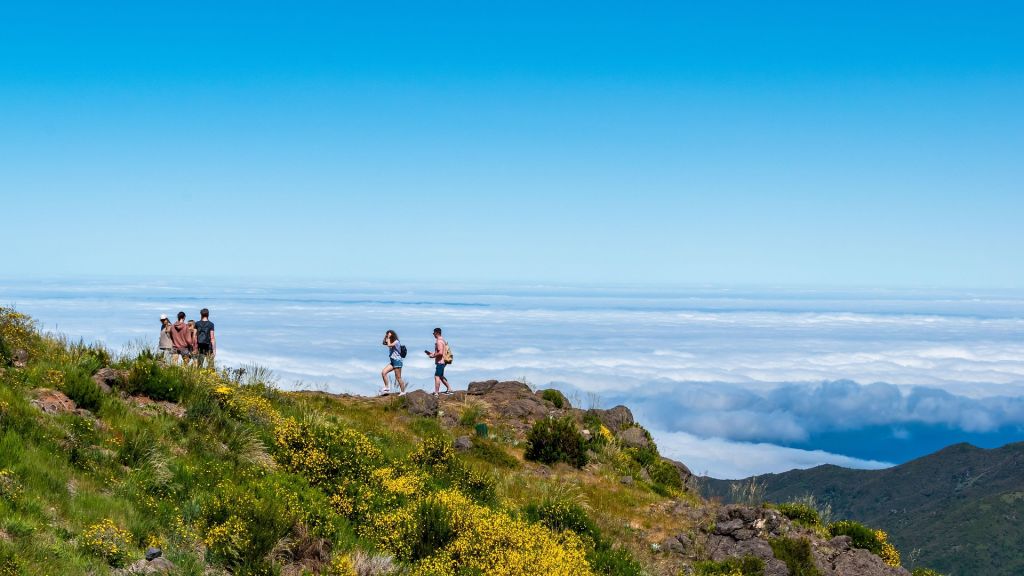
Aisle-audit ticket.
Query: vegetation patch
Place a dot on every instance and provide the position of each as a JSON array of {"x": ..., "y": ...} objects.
[
  {"x": 796, "y": 553},
  {"x": 553, "y": 440},
  {"x": 746, "y": 566}
]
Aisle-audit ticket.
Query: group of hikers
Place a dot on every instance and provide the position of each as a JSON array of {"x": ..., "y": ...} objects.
[
  {"x": 182, "y": 342},
  {"x": 187, "y": 341},
  {"x": 442, "y": 356}
]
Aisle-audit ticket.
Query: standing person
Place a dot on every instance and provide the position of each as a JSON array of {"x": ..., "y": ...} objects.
[
  {"x": 166, "y": 344},
  {"x": 206, "y": 340},
  {"x": 440, "y": 350},
  {"x": 394, "y": 363},
  {"x": 181, "y": 338}
]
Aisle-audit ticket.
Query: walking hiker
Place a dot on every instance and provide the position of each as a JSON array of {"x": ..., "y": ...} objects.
[
  {"x": 206, "y": 340},
  {"x": 166, "y": 344},
  {"x": 442, "y": 357},
  {"x": 181, "y": 338},
  {"x": 397, "y": 352}
]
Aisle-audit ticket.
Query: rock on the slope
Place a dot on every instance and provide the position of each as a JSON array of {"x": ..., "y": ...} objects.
[
  {"x": 154, "y": 408},
  {"x": 52, "y": 401},
  {"x": 158, "y": 565},
  {"x": 634, "y": 437},
  {"x": 837, "y": 557},
  {"x": 152, "y": 553},
  {"x": 463, "y": 443},
  {"x": 108, "y": 378},
  {"x": 684, "y": 472},
  {"x": 616, "y": 419},
  {"x": 511, "y": 400},
  {"x": 419, "y": 403},
  {"x": 19, "y": 358}
]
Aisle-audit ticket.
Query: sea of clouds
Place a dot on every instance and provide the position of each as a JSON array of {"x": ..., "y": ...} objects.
[{"x": 731, "y": 382}]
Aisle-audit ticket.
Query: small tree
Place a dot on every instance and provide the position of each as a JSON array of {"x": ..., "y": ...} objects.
[{"x": 556, "y": 440}]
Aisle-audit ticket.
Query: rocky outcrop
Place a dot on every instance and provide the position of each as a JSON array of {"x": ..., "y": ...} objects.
[
  {"x": 634, "y": 437},
  {"x": 109, "y": 378},
  {"x": 616, "y": 419},
  {"x": 512, "y": 401},
  {"x": 739, "y": 531},
  {"x": 158, "y": 565},
  {"x": 52, "y": 401},
  {"x": 419, "y": 403}
]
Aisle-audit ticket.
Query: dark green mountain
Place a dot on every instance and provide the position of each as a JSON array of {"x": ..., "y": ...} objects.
[{"x": 959, "y": 510}]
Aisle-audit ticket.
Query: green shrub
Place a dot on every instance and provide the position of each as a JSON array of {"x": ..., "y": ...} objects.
[
  {"x": 244, "y": 520},
  {"x": 664, "y": 473},
  {"x": 17, "y": 332},
  {"x": 604, "y": 559},
  {"x": 554, "y": 440},
  {"x": 493, "y": 454},
  {"x": 796, "y": 553},
  {"x": 147, "y": 376},
  {"x": 800, "y": 513},
  {"x": 433, "y": 528},
  {"x": 860, "y": 535},
  {"x": 561, "y": 514},
  {"x": 593, "y": 425},
  {"x": 555, "y": 397},
  {"x": 78, "y": 385},
  {"x": 106, "y": 540},
  {"x": 746, "y": 566},
  {"x": 9, "y": 564}
]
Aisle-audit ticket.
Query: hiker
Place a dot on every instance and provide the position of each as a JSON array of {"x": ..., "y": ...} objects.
[
  {"x": 206, "y": 340},
  {"x": 439, "y": 355},
  {"x": 397, "y": 352},
  {"x": 181, "y": 338},
  {"x": 166, "y": 344},
  {"x": 192, "y": 334}
]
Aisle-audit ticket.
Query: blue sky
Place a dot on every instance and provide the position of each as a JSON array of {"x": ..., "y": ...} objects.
[{"x": 839, "y": 143}]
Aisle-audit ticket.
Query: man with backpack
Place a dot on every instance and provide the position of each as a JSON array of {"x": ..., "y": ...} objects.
[
  {"x": 442, "y": 356},
  {"x": 205, "y": 339}
]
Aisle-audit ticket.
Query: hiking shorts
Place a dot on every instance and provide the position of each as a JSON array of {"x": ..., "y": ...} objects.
[
  {"x": 396, "y": 362},
  {"x": 439, "y": 370},
  {"x": 183, "y": 352}
]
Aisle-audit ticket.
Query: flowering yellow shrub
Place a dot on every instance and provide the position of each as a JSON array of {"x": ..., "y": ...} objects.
[
  {"x": 889, "y": 554},
  {"x": 106, "y": 540},
  {"x": 227, "y": 539},
  {"x": 325, "y": 455},
  {"x": 606, "y": 434},
  {"x": 246, "y": 405},
  {"x": 496, "y": 544},
  {"x": 341, "y": 565}
]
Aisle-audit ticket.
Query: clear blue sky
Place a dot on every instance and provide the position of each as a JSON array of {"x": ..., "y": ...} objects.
[{"x": 858, "y": 143}]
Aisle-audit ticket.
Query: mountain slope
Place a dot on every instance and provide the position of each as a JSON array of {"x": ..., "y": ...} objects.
[{"x": 957, "y": 510}]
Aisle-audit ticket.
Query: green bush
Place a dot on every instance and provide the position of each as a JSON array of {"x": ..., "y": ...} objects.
[
  {"x": 78, "y": 385},
  {"x": 147, "y": 376},
  {"x": 554, "y": 440},
  {"x": 244, "y": 521},
  {"x": 470, "y": 415},
  {"x": 17, "y": 332},
  {"x": 555, "y": 397},
  {"x": 433, "y": 528},
  {"x": 746, "y": 566},
  {"x": 604, "y": 559},
  {"x": 560, "y": 514},
  {"x": 796, "y": 553},
  {"x": 664, "y": 473},
  {"x": 493, "y": 454},
  {"x": 593, "y": 424},
  {"x": 860, "y": 535},
  {"x": 800, "y": 513},
  {"x": 9, "y": 565}
]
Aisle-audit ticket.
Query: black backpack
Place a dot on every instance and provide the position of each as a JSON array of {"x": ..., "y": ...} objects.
[{"x": 402, "y": 350}]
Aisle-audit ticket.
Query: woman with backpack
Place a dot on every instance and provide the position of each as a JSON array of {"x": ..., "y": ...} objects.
[{"x": 396, "y": 353}]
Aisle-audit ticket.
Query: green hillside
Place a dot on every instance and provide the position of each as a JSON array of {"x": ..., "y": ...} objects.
[
  {"x": 958, "y": 510},
  {"x": 121, "y": 465}
]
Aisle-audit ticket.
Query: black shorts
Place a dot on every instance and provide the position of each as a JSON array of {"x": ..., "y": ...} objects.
[{"x": 205, "y": 348}]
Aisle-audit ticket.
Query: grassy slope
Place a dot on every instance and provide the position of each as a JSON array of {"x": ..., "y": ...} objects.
[
  {"x": 218, "y": 487},
  {"x": 960, "y": 507}
]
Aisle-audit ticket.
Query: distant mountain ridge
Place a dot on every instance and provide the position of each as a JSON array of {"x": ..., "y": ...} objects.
[{"x": 958, "y": 510}]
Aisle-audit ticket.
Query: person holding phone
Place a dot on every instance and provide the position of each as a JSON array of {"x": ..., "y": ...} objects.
[{"x": 438, "y": 355}]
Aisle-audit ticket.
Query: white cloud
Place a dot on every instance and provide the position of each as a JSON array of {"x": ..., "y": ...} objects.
[{"x": 726, "y": 459}]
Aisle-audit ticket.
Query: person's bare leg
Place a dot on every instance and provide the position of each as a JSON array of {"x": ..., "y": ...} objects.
[
  {"x": 384, "y": 375},
  {"x": 437, "y": 385},
  {"x": 398, "y": 379},
  {"x": 447, "y": 388}
]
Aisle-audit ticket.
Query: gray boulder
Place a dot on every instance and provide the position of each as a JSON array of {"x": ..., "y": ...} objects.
[
  {"x": 616, "y": 419},
  {"x": 634, "y": 437},
  {"x": 419, "y": 403},
  {"x": 463, "y": 443}
]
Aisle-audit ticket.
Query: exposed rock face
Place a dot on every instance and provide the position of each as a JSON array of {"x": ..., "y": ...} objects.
[
  {"x": 52, "y": 401},
  {"x": 616, "y": 419},
  {"x": 634, "y": 437},
  {"x": 154, "y": 407},
  {"x": 512, "y": 401},
  {"x": 157, "y": 565},
  {"x": 419, "y": 403},
  {"x": 463, "y": 443},
  {"x": 740, "y": 531},
  {"x": 689, "y": 481},
  {"x": 108, "y": 378}
]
